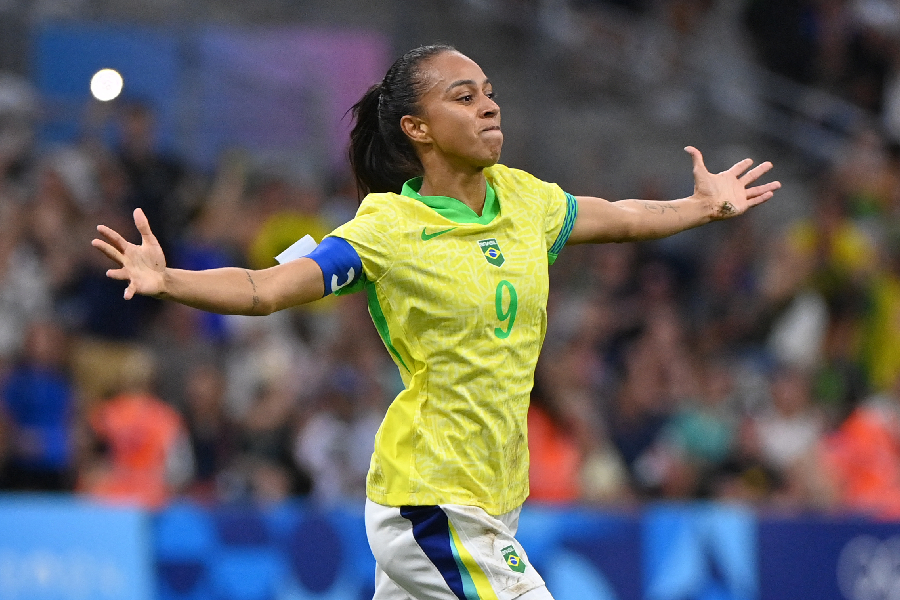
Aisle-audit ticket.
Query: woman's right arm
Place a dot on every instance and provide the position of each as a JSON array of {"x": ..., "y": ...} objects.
[{"x": 229, "y": 290}]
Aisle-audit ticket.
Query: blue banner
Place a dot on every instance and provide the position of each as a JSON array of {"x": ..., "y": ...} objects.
[
  {"x": 584, "y": 553},
  {"x": 68, "y": 549},
  {"x": 829, "y": 559},
  {"x": 296, "y": 552},
  {"x": 64, "y": 549},
  {"x": 700, "y": 552}
]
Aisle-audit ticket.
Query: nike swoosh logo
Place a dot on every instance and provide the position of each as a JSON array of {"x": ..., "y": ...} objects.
[{"x": 428, "y": 236}]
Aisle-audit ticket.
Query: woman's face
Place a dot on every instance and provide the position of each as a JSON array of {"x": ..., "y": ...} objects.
[{"x": 459, "y": 118}]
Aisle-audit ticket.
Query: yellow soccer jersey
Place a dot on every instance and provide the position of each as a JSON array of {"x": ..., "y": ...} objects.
[{"x": 460, "y": 301}]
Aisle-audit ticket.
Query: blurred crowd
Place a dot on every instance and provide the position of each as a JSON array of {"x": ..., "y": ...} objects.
[
  {"x": 734, "y": 362},
  {"x": 143, "y": 400},
  {"x": 848, "y": 47},
  {"x": 729, "y": 362}
]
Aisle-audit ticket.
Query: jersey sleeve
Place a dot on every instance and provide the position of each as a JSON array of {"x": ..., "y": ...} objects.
[
  {"x": 369, "y": 234},
  {"x": 562, "y": 209}
]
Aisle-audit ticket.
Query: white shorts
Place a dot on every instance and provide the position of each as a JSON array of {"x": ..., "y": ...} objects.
[{"x": 447, "y": 552}]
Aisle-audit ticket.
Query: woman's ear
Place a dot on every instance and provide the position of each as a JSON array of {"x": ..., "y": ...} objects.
[{"x": 416, "y": 129}]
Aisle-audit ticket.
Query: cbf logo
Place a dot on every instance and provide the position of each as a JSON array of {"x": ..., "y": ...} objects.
[
  {"x": 512, "y": 559},
  {"x": 491, "y": 250}
]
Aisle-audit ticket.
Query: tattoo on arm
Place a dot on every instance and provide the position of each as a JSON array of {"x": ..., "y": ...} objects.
[
  {"x": 727, "y": 209},
  {"x": 659, "y": 207},
  {"x": 255, "y": 295}
]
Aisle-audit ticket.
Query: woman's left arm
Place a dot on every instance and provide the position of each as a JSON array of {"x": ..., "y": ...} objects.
[{"x": 716, "y": 196}]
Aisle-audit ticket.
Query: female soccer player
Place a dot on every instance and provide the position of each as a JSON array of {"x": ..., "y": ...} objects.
[{"x": 452, "y": 250}]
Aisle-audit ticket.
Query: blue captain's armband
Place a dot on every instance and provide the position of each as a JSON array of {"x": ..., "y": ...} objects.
[{"x": 340, "y": 264}]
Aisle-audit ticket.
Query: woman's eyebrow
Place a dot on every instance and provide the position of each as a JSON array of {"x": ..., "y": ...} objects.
[{"x": 465, "y": 82}]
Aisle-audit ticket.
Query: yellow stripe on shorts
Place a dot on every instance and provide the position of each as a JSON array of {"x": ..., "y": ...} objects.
[{"x": 475, "y": 582}]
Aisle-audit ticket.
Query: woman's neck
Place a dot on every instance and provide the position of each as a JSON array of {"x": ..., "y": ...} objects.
[{"x": 468, "y": 188}]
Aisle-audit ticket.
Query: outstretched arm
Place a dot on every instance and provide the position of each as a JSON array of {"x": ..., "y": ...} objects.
[
  {"x": 716, "y": 196},
  {"x": 229, "y": 290}
]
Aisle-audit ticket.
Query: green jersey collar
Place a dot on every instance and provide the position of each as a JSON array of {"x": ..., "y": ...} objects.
[{"x": 453, "y": 209}]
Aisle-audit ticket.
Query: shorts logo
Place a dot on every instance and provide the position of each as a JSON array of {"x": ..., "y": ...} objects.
[
  {"x": 512, "y": 559},
  {"x": 491, "y": 250}
]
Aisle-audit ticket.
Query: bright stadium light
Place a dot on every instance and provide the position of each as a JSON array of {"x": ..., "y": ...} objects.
[{"x": 106, "y": 84}]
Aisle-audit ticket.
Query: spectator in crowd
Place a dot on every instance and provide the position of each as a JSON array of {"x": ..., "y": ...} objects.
[
  {"x": 264, "y": 444},
  {"x": 213, "y": 436},
  {"x": 729, "y": 306},
  {"x": 25, "y": 293},
  {"x": 783, "y": 40},
  {"x": 792, "y": 426},
  {"x": 179, "y": 343},
  {"x": 142, "y": 453},
  {"x": 637, "y": 418},
  {"x": 155, "y": 180},
  {"x": 285, "y": 212},
  {"x": 839, "y": 379},
  {"x": 336, "y": 433},
  {"x": 860, "y": 461},
  {"x": 703, "y": 430},
  {"x": 881, "y": 335},
  {"x": 555, "y": 463},
  {"x": 39, "y": 402},
  {"x": 19, "y": 119}
]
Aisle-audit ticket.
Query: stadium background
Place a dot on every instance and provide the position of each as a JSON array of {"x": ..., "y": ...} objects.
[{"x": 716, "y": 415}]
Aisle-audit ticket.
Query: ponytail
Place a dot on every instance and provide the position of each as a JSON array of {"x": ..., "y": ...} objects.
[
  {"x": 381, "y": 156},
  {"x": 378, "y": 165}
]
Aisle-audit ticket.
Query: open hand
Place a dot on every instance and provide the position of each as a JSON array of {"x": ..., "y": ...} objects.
[
  {"x": 142, "y": 266},
  {"x": 726, "y": 193}
]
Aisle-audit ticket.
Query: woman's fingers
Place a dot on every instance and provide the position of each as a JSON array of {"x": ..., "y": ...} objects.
[
  {"x": 120, "y": 274},
  {"x": 728, "y": 189},
  {"x": 107, "y": 249},
  {"x": 759, "y": 198},
  {"x": 756, "y": 200},
  {"x": 134, "y": 261},
  {"x": 763, "y": 189},
  {"x": 696, "y": 158},
  {"x": 113, "y": 237},
  {"x": 143, "y": 225},
  {"x": 740, "y": 167},
  {"x": 755, "y": 173}
]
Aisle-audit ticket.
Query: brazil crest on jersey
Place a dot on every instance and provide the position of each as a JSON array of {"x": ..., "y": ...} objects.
[{"x": 460, "y": 301}]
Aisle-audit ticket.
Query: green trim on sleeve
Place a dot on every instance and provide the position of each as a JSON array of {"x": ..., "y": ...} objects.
[
  {"x": 356, "y": 286},
  {"x": 566, "y": 231},
  {"x": 379, "y": 320}
]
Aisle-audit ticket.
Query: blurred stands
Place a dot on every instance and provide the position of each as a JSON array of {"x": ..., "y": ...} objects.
[{"x": 745, "y": 360}]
